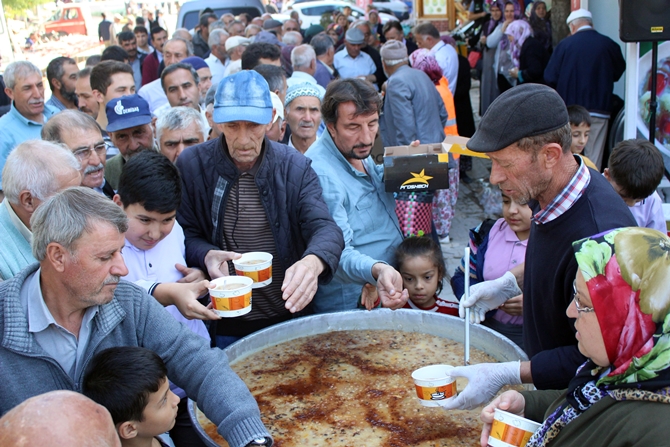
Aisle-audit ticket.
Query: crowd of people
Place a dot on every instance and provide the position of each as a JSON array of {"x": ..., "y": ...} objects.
[{"x": 163, "y": 160}]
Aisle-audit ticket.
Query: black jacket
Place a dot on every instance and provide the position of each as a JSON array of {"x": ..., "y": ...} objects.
[
  {"x": 533, "y": 59},
  {"x": 291, "y": 195},
  {"x": 200, "y": 47}
]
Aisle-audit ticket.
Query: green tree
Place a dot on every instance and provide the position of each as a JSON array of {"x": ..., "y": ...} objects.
[{"x": 17, "y": 7}]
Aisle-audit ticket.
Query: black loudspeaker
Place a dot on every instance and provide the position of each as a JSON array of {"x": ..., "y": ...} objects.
[{"x": 644, "y": 20}]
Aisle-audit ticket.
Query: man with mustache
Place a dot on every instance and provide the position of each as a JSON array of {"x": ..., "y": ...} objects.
[
  {"x": 81, "y": 134},
  {"x": 303, "y": 115},
  {"x": 34, "y": 171},
  {"x": 27, "y": 115},
  {"x": 62, "y": 77},
  {"x": 129, "y": 128},
  {"x": 62, "y": 310},
  {"x": 353, "y": 188},
  {"x": 244, "y": 193}
]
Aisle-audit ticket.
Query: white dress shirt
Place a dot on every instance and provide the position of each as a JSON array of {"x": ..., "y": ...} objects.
[
  {"x": 448, "y": 60},
  {"x": 153, "y": 94},
  {"x": 348, "y": 67},
  {"x": 217, "y": 68}
]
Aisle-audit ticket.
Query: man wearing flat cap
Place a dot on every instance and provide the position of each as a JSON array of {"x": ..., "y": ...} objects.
[
  {"x": 583, "y": 69},
  {"x": 352, "y": 62},
  {"x": 244, "y": 193},
  {"x": 412, "y": 110},
  {"x": 527, "y": 135},
  {"x": 303, "y": 115}
]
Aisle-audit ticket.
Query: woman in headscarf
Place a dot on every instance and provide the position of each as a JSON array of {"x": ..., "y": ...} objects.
[
  {"x": 528, "y": 55},
  {"x": 444, "y": 200},
  {"x": 336, "y": 33},
  {"x": 540, "y": 22},
  {"x": 502, "y": 61},
  {"x": 621, "y": 395},
  {"x": 488, "y": 85}
]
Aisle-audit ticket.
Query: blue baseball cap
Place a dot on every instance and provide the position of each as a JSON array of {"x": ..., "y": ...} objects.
[
  {"x": 244, "y": 96},
  {"x": 126, "y": 112}
]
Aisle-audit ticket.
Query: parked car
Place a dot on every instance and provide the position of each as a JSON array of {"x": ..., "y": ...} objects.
[
  {"x": 71, "y": 18},
  {"x": 190, "y": 10},
  {"x": 311, "y": 12},
  {"x": 396, "y": 8}
]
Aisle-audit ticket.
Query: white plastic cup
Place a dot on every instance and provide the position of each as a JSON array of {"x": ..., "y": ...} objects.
[
  {"x": 234, "y": 302},
  {"x": 510, "y": 430},
  {"x": 434, "y": 385},
  {"x": 260, "y": 272}
]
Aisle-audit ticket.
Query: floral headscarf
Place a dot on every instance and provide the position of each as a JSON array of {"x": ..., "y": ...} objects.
[
  {"x": 520, "y": 30},
  {"x": 627, "y": 273},
  {"x": 421, "y": 59}
]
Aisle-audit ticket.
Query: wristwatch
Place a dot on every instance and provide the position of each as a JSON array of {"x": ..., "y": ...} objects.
[{"x": 259, "y": 441}]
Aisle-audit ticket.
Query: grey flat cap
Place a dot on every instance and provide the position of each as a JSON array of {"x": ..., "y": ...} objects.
[
  {"x": 355, "y": 36},
  {"x": 523, "y": 111},
  {"x": 271, "y": 24}
]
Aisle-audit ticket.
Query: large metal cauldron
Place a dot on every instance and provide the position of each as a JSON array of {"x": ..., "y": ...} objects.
[{"x": 483, "y": 338}]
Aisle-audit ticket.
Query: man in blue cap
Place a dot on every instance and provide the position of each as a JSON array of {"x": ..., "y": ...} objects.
[
  {"x": 129, "y": 128},
  {"x": 244, "y": 193}
]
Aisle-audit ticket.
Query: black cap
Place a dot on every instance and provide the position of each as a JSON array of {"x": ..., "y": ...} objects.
[{"x": 523, "y": 111}]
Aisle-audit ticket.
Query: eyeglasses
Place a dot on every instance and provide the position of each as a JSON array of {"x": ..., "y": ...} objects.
[
  {"x": 578, "y": 306},
  {"x": 84, "y": 153}
]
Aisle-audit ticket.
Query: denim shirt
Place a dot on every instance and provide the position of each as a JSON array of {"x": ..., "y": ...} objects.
[
  {"x": 15, "y": 129},
  {"x": 365, "y": 213}
]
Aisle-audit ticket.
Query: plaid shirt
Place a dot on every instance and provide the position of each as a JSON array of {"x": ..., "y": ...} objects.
[{"x": 567, "y": 197}]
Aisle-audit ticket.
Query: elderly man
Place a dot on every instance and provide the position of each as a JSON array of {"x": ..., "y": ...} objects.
[
  {"x": 209, "y": 113},
  {"x": 34, "y": 171},
  {"x": 85, "y": 99},
  {"x": 532, "y": 162},
  {"x": 354, "y": 191},
  {"x": 110, "y": 80},
  {"x": 244, "y": 193},
  {"x": 583, "y": 69},
  {"x": 218, "y": 59},
  {"x": 235, "y": 47},
  {"x": 325, "y": 54},
  {"x": 428, "y": 37},
  {"x": 130, "y": 131},
  {"x": 370, "y": 50},
  {"x": 62, "y": 77},
  {"x": 179, "y": 128},
  {"x": 151, "y": 68},
  {"x": 77, "y": 306},
  {"x": 128, "y": 42},
  {"x": 274, "y": 26},
  {"x": 56, "y": 419},
  {"x": 412, "y": 110},
  {"x": 352, "y": 62},
  {"x": 201, "y": 36},
  {"x": 291, "y": 25},
  {"x": 303, "y": 59},
  {"x": 293, "y": 38},
  {"x": 175, "y": 50},
  {"x": 303, "y": 115},
  {"x": 81, "y": 134},
  {"x": 275, "y": 76},
  {"x": 28, "y": 113},
  {"x": 236, "y": 28}
]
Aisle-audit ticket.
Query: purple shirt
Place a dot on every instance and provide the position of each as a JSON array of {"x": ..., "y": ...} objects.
[
  {"x": 505, "y": 251},
  {"x": 649, "y": 213}
]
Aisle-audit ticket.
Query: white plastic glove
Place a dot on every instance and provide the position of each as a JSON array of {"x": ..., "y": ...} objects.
[
  {"x": 488, "y": 295},
  {"x": 484, "y": 381}
]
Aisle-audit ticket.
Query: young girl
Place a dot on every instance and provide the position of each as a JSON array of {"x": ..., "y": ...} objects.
[
  {"x": 495, "y": 248},
  {"x": 421, "y": 264}
]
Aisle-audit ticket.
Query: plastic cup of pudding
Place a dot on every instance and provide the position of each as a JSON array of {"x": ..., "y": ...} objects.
[
  {"x": 510, "y": 430},
  {"x": 231, "y": 296},
  {"x": 434, "y": 385},
  {"x": 256, "y": 265}
]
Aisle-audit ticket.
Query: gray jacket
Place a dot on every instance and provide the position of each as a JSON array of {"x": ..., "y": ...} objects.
[
  {"x": 132, "y": 318},
  {"x": 413, "y": 109}
]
